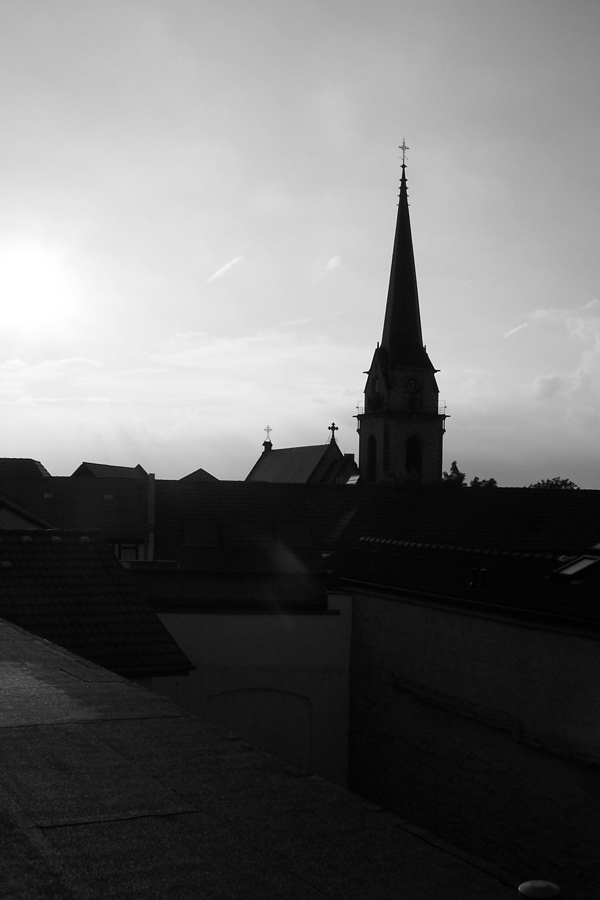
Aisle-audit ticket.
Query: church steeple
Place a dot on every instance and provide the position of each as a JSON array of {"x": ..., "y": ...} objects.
[
  {"x": 402, "y": 337},
  {"x": 401, "y": 427}
]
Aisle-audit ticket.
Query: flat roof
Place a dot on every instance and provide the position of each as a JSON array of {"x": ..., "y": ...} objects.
[{"x": 108, "y": 790}]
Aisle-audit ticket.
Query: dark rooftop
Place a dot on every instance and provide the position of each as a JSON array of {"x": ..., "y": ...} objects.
[
  {"x": 199, "y": 475},
  {"x": 110, "y": 792},
  {"x": 69, "y": 588},
  {"x": 14, "y": 467},
  {"x": 501, "y": 581},
  {"x": 100, "y": 470},
  {"x": 515, "y": 519},
  {"x": 117, "y": 506}
]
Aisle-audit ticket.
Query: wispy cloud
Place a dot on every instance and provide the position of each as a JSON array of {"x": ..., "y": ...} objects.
[
  {"x": 329, "y": 267},
  {"x": 220, "y": 272},
  {"x": 514, "y": 330},
  {"x": 576, "y": 393},
  {"x": 582, "y": 322}
]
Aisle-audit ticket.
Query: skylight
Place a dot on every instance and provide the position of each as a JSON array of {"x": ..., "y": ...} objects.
[{"x": 582, "y": 563}]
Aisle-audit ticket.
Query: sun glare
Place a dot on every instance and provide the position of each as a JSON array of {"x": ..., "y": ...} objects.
[{"x": 34, "y": 290}]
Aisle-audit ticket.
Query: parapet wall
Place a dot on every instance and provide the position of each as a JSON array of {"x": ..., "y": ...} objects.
[{"x": 485, "y": 731}]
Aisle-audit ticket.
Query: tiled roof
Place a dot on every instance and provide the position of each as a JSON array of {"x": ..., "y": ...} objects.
[
  {"x": 69, "y": 588},
  {"x": 290, "y": 465},
  {"x": 302, "y": 465},
  {"x": 9, "y": 510},
  {"x": 515, "y": 519},
  {"x": 201, "y": 517},
  {"x": 99, "y": 470},
  {"x": 521, "y": 583},
  {"x": 243, "y": 544},
  {"x": 117, "y": 506},
  {"x": 22, "y": 468}
]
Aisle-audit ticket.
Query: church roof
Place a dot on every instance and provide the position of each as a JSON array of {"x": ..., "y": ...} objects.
[
  {"x": 323, "y": 463},
  {"x": 69, "y": 588},
  {"x": 290, "y": 465},
  {"x": 402, "y": 340}
]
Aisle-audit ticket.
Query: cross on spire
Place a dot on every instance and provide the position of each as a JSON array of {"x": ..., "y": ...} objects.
[
  {"x": 404, "y": 148},
  {"x": 268, "y": 429},
  {"x": 333, "y": 428}
]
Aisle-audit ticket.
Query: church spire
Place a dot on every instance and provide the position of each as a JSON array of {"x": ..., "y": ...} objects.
[
  {"x": 400, "y": 425},
  {"x": 402, "y": 339}
]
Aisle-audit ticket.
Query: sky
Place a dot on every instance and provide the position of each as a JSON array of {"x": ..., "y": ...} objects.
[{"x": 198, "y": 210}]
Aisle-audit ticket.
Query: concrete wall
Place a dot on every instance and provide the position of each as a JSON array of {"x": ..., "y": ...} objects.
[
  {"x": 278, "y": 680},
  {"x": 486, "y": 732}
]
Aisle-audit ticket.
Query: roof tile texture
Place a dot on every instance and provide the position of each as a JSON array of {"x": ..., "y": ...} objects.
[{"x": 68, "y": 587}]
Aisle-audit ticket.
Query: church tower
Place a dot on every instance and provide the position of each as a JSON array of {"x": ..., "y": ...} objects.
[{"x": 401, "y": 428}]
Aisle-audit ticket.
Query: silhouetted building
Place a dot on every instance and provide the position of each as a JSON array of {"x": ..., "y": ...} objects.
[
  {"x": 320, "y": 464},
  {"x": 401, "y": 428},
  {"x": 67, "y": 587},
  {"x": 100, "y": 470}
]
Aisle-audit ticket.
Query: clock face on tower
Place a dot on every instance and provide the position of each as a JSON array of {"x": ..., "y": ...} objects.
[{"x": 412, "y": 386}]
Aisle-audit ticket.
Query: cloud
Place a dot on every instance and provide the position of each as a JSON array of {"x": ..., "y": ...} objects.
[
  {"x": 514, "y": 330},
  {"x": 582, "y": 322},
  {"x": 329, "y": 266},
  {"x": 47, "y": 369},
  {"x": 220, "y": 272},
  {"x": 576, "y": 393}
]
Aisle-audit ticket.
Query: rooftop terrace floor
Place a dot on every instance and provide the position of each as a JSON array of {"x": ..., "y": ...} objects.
[{"x": 108, "y": 790}]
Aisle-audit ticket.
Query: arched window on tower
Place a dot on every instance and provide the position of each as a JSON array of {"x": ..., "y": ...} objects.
[
  {"x": 414, "y": 457},
  {"x": 371, "y": 459}
]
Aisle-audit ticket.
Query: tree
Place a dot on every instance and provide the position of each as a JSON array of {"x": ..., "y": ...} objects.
[
  {"x": 483, "y": 483},
  {"x": 454, "y": 478},
  {"x": 555, "y": 484}
]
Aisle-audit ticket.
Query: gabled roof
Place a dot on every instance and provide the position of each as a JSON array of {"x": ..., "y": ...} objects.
[
  {"x": 22, "y": 468},
  {"x": 68, "y": 587},
  {"x": 99, "y": 470},
  {"x": 199, "y": 475},
  {"x": 117, "y": 506},
  {"x": 324, "y": 463}
]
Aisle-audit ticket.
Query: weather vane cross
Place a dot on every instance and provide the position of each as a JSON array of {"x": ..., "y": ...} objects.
[
  {"x": 404, "y": 148},
  {"x": 333, "y": 428},
  {"x": 268, "y": 429}
]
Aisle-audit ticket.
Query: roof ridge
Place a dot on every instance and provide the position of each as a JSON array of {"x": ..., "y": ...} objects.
[{"x": 483, "y": 551}]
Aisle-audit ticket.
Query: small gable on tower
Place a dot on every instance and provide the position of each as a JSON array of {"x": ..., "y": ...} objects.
[{"x": 401, "y": 428}]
